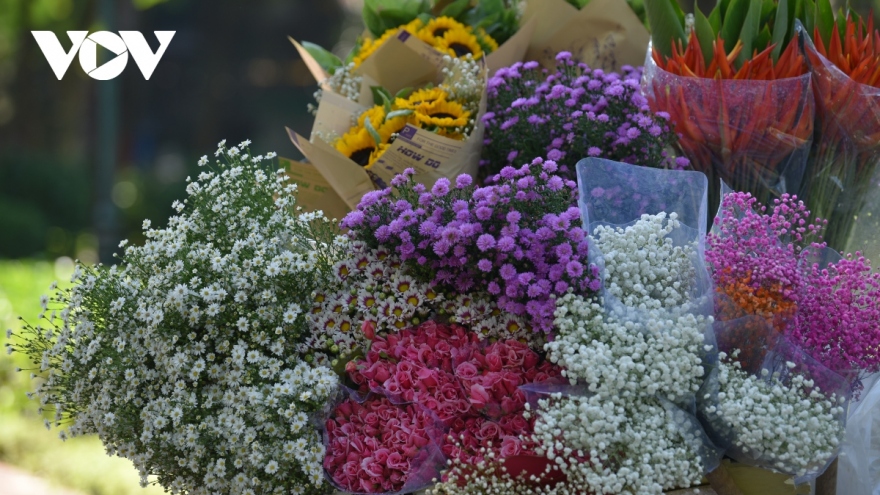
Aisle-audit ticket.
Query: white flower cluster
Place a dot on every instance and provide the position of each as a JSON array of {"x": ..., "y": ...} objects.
[
  {"x": 343, "y": 82},
  {"x": 616, "y": 446},
  {"x": 643, "y": 267},
  {"x": 186, "y": 358},
  {"x": 464, "y": 79},
  {"x": 790, "y": 427},
  {"x": 376, "y": 288},
  {"x": 627, "y": 357}
]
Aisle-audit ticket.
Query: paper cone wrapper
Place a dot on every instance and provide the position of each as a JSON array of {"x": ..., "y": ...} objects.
[
  {"x": 314, "y": 193},
  {"x": 606, "y": 34},
  {"x": 515, "y": 48},
  {"x": 411, "y": 62}
]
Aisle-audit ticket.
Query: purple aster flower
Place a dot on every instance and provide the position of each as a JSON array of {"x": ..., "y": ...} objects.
[
  {"x": 485, "y": 242},
  {"x": 506, "y": 244},
  {"x": 507, "y": 272},
  {"x": 441, "y": 187}
]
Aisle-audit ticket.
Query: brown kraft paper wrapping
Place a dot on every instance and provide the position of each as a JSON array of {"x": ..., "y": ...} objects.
[
  {"x": 385, "y": 71},
  {"x": 606, "y": 34},
  {"x": 314, "y": 193}
]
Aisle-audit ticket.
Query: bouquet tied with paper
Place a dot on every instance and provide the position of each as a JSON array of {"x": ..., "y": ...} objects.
[{"x": 422, "y": 112}]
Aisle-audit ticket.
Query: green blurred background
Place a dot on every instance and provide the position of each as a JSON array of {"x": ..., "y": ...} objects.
[{"x": 84, "y": 162}]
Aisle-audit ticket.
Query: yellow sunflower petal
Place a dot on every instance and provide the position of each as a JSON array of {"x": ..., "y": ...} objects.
[
  {"x": 421, "y": 96},
  {"x": 357, "y": 145},
  {"x": 459, "y": 43},
  {"x": 437, "y": 27},
  {"x": 376, "y": 115},
  {"x": 442, "y": 114},
  {"x": 488, "y": 43}
]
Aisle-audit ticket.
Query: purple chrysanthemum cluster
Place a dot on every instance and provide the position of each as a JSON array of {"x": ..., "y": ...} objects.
[
  {"x": 836, "y": 305},
  {"x": 519, "y": 239},
  {"x": 574, "y": 113}
]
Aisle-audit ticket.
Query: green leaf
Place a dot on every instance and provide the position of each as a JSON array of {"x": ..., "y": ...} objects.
[
  {"x": 780, "y": 29},
  {"x": 404, "y": 93},
  {"x": 825, "y": 19},
  {"x": 705, "y": 35},
  {"x": 734, "y": 19},
  {"x": 841, "y": 25},
  {"x": 768, "y": 10},
  {"x": 381, "y": 96},
  {"x": 809, "y": 16},
  {"x": 373, "y": 132},
  {"x": 354, "y": 51},
  {"x": 750, "y": 29},
  {"x": 762, "y": 41},
  {"x": 715, "y": 19},
  {"x": 399, "y": 113},
  {"x": 666, "y": 26},
  {"x": 325, "y": 59},
  {"x": 372, "y": 21},
  {"x": 723, "y": 5},
  {"x": 456, "y": 8}
]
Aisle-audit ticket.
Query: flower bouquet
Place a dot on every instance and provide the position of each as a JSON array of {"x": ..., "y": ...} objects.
[
  {"x": 571, "y": 114},
  {"x": 489, "y": 30},
  {"x": 738, "y": 91},
  {"x": 188, "y": 357},
  {"x": 846, "y": 77},
  {"x": 434, "y": 129}
]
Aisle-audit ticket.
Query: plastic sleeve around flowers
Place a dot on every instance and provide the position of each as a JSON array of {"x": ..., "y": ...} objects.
[
  {"x": 426, "y": 459},
  {"x": 797, "y": 403},
  {"x": 842, "y": 173},
  {"x": 755, "y": 135},
  {"x": 618, "y": 194}
]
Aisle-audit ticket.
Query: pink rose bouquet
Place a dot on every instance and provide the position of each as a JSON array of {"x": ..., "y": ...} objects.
[{"x": 380, "y": 447}]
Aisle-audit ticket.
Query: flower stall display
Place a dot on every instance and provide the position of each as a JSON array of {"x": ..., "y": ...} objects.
[
  {"x": 844, "y": 67},
  {"x": 571, "y": 114},
  {"x": 188, "y": 357},
  {"x": 738, "y": 91},
  {"x": 435, "y": 129}
]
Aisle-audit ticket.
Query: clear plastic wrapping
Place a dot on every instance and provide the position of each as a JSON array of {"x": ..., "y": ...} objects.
[
  {"x": 786, "y": 415},
  {"x": 843, "y": 165},
  {"x": 754, "y": 135}
]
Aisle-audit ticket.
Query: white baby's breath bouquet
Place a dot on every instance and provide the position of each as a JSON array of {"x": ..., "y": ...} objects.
[{"x": 190, "y": 357}]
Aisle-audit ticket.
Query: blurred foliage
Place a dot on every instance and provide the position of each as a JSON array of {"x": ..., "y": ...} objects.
[{"x": 78, "y": 463}]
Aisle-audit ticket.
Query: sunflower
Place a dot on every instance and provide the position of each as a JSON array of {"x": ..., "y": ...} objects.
[
  {"x": 376, "y": 115},
  {"x": 487, "y": 42},
  {"x": 358, "y": 145},
  {"x": 370, "y": 45},
  {"x": 442, "y": 114},
  {"x": 436, "y": 28},
  {"x": 421, "y": 96},
  {"x": 458, "y": 43},
  {"x": 393, "y": 126}
]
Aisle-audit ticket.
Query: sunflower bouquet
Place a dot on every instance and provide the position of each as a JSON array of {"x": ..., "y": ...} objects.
[
  {"x": 738, "y": 90},
  {"x": 435, "y": 129},
  {"x": 845, "y": 66},
  {"x": 460, "y": 28}
]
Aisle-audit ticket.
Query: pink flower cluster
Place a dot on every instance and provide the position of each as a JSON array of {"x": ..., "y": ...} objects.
[
  {"x": 836, "y": 305},
  {"x": 374, "y": 447},
  {"x": 416, "y": 365},
  {"x": 472, "y": 388}
]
